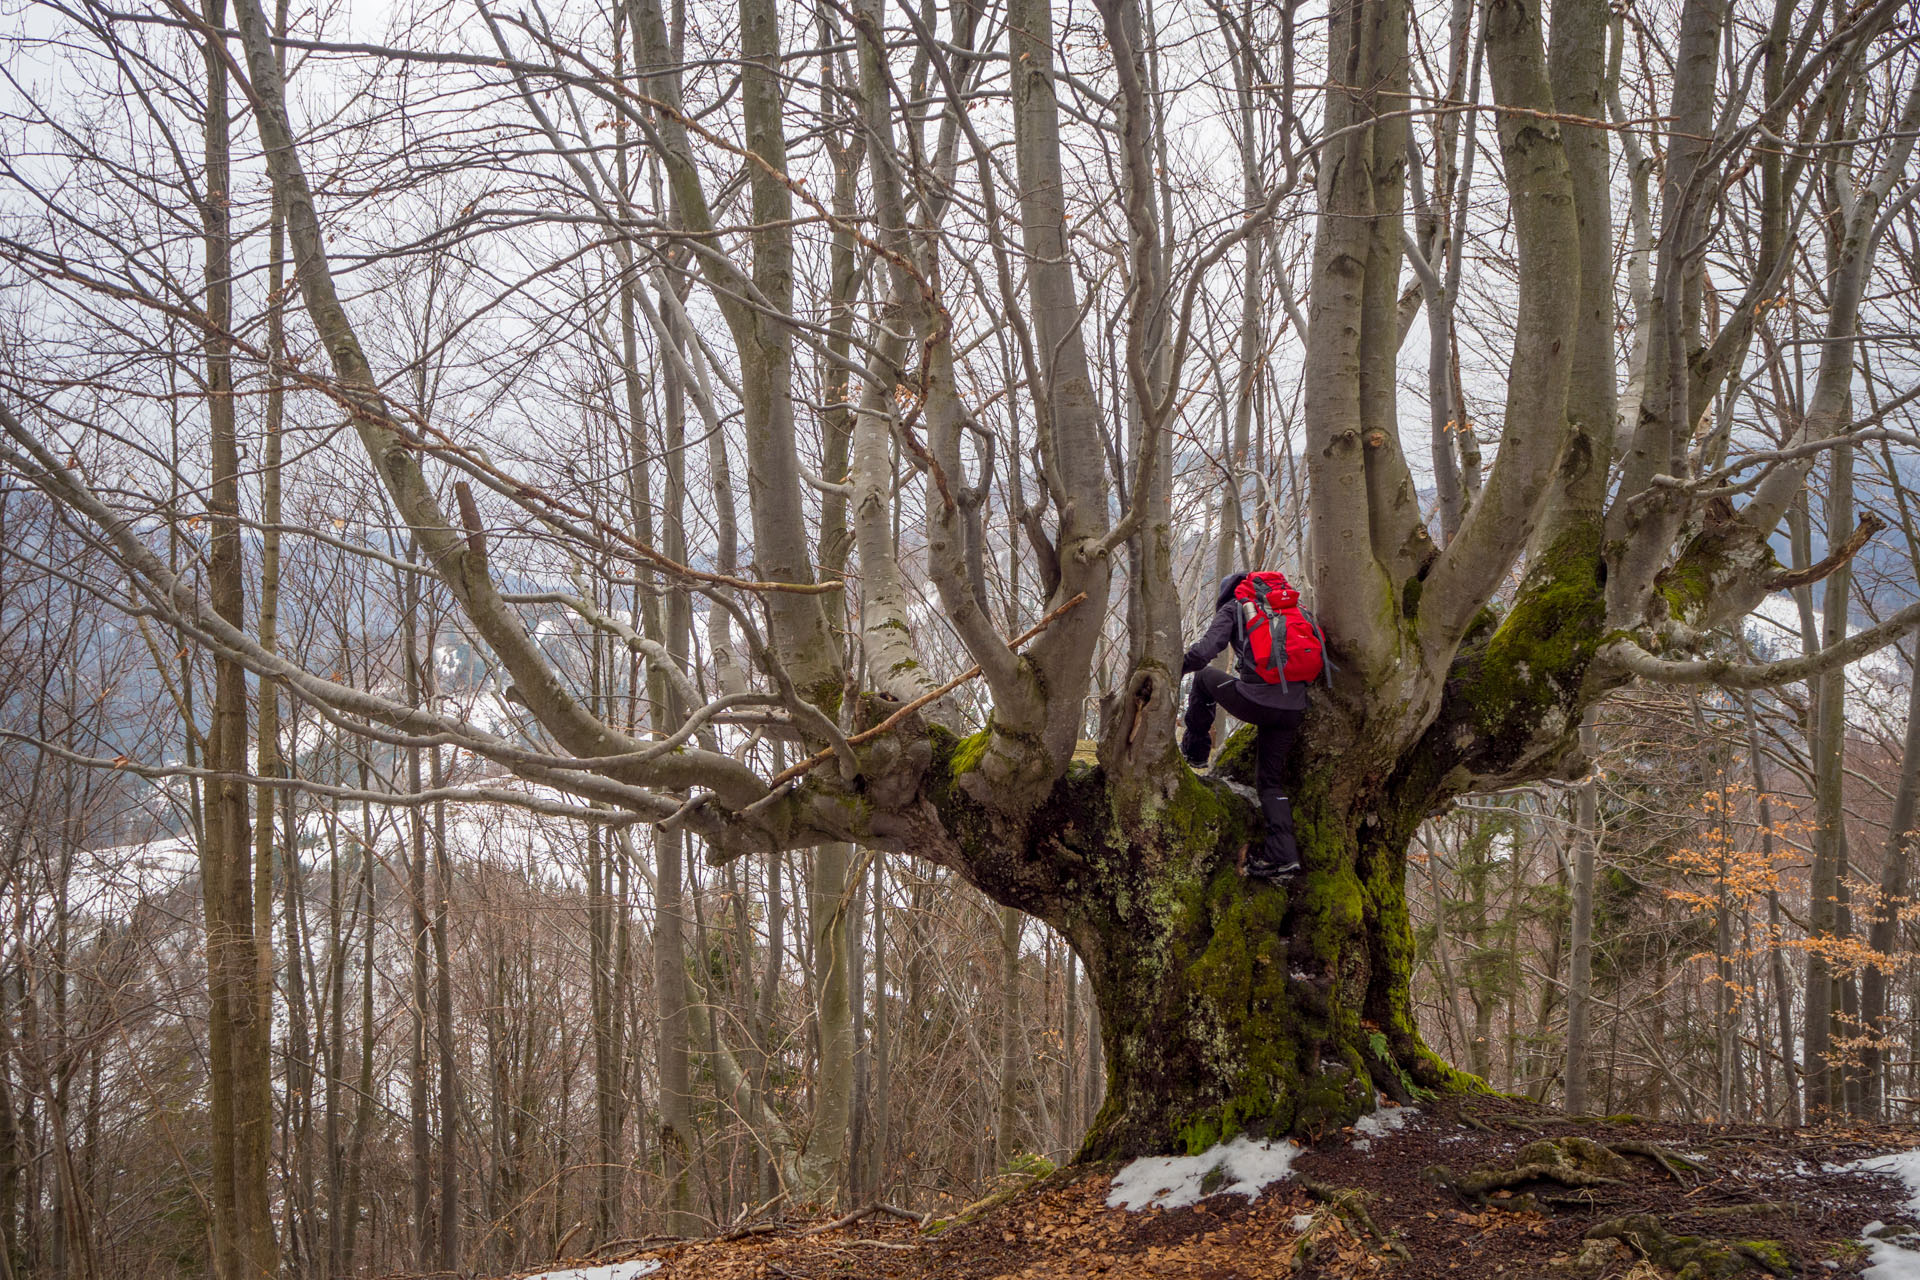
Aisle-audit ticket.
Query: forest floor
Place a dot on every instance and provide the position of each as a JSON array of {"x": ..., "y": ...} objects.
[{"x": 1465, "y": 1188}]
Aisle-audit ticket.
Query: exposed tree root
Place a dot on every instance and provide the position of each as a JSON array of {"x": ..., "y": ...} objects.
[
  {"x": 1672, "y": 1161},
  {"x": 934, "y": 1226},
  {"x": 1575, "y": 1162},
  {"x": 1350, "y": 1203},
  {"x": 1596, "y": 1258},
  {"x": 1694, "y": 1257},
  {"x": 1572, "y": 1162},
  {"x": 847, "y": 1220}
]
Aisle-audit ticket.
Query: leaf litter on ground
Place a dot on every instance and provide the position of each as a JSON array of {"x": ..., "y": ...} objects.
[{"x": 1370, "y": 1205}]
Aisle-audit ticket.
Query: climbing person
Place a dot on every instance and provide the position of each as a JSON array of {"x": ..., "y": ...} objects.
[{"x": 1267, "y": 689}]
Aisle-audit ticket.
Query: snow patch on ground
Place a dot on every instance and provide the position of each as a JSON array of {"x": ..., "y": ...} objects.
[
  {"x": 1379, "y": 1123},
  {"x": 1893, "y": 1259},
  {"x": 1244, "y": 1168},
  {"x": 611, "y": 1271},
  {"x": 1891, "y": 1262}
]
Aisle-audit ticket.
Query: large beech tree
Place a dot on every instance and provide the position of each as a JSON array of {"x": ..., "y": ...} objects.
[{"x": 999, "y": 372}]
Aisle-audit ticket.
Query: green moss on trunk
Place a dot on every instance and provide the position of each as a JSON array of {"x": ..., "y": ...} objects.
[{"x": 1228, "y": 1005}]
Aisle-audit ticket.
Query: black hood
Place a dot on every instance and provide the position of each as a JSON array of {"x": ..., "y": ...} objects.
[{"x": 1227, "y": 586}]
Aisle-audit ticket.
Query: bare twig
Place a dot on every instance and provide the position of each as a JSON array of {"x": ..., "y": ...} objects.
[{"x": 933, "y": 695}]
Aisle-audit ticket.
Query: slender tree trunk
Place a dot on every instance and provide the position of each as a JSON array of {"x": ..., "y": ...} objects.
[
  {"x": 675, "y": 1039},
  {"x": 299, "y": 1054},
  {"x": 603, "y": 1000},
  {"x": 367, "y": 911},
  {"x": 12, "y": 1145},
  {"x": 1006, "y": 1118},
  {"x": 1826, "y": 1074},
  {"x": 1883, "y": 929},
  {"x": 419, "y": 1084},
  {"x": 448, "y": 1175},
  {"x": 1070, "y": 1053},
  {"x": 860, "y": 1116},
  {"x": 1776, "y": 938},
  {"x": 1586, "y": 840},
  {"x": 334, "y": 1054},
  {"x": 822, "y": 1169},
  {"x": 876, "y": 1154},
  {"x": 239, "y": 957},
  {"x": 1726, "y": 1030},
  {"x": 768, "y": 1184}
]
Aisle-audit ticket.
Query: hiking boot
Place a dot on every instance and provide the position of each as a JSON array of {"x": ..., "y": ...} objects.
[
  {"x": 1258, "y": 870},
  {"x": 1196, "y": 747},
  {"x": 1279, "y": 854}
]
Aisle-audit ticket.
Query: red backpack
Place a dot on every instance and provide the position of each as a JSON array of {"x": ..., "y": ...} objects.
[{"x": 1269, "y": 606}]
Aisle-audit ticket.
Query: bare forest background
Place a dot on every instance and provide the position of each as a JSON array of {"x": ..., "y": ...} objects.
[{"x": 504, "y": 1022}]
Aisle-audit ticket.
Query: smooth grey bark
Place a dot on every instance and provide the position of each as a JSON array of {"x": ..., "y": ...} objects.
[
  {"x": 1459, "y": 1037},
  {"x": 799, "y": 623},
  {"x": 1007, "y": 1028},
  {"x": 823, "y": 1165},
  {"x": 1828, "y": 748},
  {"x": 239, "y": 954},
  {"x": 886, "y": 633},
  {"x": 1235, "y": 546},
  {"x": 447, "y": 1174},
  {"x": 1586, "y": 840},
  {"x": 677, "y": 1141},
  {"x": 770, "y": 984},
  {"x": 419, "y": 1084},
  {"x": 1583, "y": 82},
  {"x": 1657, "y": 446},
  {"x": 1340, "y": 312},
  {"x": 1639, "y": 253},
  {"x": 1140, "y": 720},
  {"x": 1552, "y": 313},
  {"x": 1436, "y": 254},
  {"x": 1883, "y": 927},
  {"x": 603, "y": 994},
  {"x": 1067, "y": 413},
  {"x": 874, "y": 1179},
  {"x": 1070, "y": 1052},
  {"x": 298, "y": 1056}
]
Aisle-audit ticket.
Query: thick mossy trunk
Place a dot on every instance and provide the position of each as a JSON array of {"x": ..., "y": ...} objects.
[
  {"x": 1230, "y": 1005},
  {"x": 1227, "y": 1005}
]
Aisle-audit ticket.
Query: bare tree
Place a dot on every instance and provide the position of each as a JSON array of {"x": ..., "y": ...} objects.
[{"x": 875, "y": 700}]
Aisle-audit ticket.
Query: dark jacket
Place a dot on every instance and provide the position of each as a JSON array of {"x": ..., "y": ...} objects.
[{"x": 1224, "y": 630}]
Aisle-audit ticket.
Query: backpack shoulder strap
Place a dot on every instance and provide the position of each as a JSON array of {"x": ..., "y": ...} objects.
[{"x": 1326, "y": 653}]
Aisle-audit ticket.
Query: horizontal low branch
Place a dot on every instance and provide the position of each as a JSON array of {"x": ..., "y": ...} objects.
[
  {"x": 1630, "y": 657},
  {"x": 932, "y": 695},
  {"x": 480, "y": 794}
]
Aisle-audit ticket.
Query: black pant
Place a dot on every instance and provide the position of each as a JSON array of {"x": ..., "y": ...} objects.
[{"x": 1274, "y": 730}]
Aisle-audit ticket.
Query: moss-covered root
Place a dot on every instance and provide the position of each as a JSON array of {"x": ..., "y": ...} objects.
[
  {"x": 1574, "y": 1162},
  {"x": 1571, "y": 1162},
  {"x": 1694, "y": 1257},
  {"x": 1351, "y": 1204}
]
